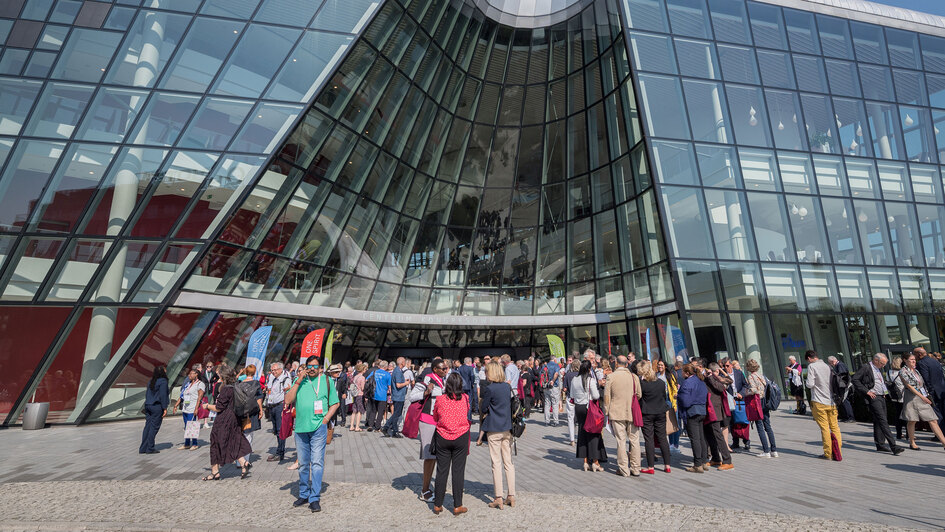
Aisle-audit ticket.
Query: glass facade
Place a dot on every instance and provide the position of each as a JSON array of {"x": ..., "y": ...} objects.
[{"x": 672, "y": 177}]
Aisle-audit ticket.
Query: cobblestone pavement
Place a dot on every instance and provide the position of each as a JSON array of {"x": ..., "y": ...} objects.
[{"x": 69, "y": 477}]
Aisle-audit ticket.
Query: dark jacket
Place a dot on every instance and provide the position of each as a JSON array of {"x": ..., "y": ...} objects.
[
  {"x": 717, "y": 386},
  {"x": 933, "y": 375},
  {"x": 739, "y": 384},
  {"x": 692, "y": 397},
  {"x": 157, "y": 396},
  {"x": 653, "y": 400},
  {"x": 863, "y": 380},
  {"x": 497, "y": 405},
  {"x": 468, "y": 373}
]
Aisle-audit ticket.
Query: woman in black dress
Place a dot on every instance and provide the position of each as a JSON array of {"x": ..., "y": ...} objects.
[{"x": 227, "y": 442}]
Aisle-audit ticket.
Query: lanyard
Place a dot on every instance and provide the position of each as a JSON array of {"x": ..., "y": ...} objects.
[{"x": 319, "y": 387}]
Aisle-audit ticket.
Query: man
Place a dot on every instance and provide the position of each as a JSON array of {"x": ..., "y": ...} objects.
[
  {"x": 845, "y": 409},
  {"x": 870, "y": 384},
  {"x": 294, "y": 370},
  {"x": 551, "y": 389},
  {"x": 482, "y": 369},
  {"x": 279, "y": 382},
  {"x": 468, "y": 374},
  {"x": 381, "y": 391},
  {"x": 316, "y": 401},
  {"x": 398, "y": 393},
  {"x": 933, "y": 375},
  {"x": 337, "y": 372},
  {"x": 737, "y": 390},
  {"x": 511, "y": 373},
  {"x": 370, "y": 406},
  {"x": 822, "y": 404},
  {"x": 619, "y": 391}
]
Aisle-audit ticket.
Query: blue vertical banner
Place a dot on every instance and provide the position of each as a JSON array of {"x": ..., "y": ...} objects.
[{"x": 256, "y": 351}]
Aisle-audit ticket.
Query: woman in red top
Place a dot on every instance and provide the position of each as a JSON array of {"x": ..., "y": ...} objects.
[{"x": 451, "y": 413}]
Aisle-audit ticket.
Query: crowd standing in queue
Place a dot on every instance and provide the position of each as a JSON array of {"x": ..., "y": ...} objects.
[{"x": 603, "y": 399}]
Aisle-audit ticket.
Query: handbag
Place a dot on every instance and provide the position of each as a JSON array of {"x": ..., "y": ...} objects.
[
  {"x": 288, "y": 423},
  {"x": 739, "y": 414},
  {"x": 433, "y": 447},
  {"x": 192, "y": 430},
  {"x": 246, "y": 423},
  {"x": 753, "y": 408},
  {"x": 412, "y": 419},
  {"x": 710, "y": 415},
  {"x": 595, "y": 420},
  {"x": 636, "y": 412},
  {"x": 331, "y": 434},
  {"x": 202, "y": 411},
  {"x": 835, "y": 448},
  {"x": 672, "y": 425}
]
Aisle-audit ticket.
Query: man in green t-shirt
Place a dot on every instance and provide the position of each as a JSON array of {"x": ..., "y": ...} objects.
[{"x": 315, "y": 400}]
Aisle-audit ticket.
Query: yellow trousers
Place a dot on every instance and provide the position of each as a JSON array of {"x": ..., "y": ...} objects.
[{"x": 826, "y": 418}]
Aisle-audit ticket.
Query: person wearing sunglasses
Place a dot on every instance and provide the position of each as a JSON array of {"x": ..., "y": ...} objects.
[{"x": 316, "y": 400}]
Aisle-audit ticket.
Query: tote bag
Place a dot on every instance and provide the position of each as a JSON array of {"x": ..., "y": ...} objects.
[
  {"x": 192, "y": 430},
  {"x": 595, "y": 421},
  {"x": 636, "y": 412},
  {"x": 753, "y": 408},
  {"x": 739, "y": 414},
  {"x": 288, "y": 423},
  {"x": 412, "y": 419}
]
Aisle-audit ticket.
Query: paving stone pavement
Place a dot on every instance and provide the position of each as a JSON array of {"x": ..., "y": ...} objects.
[{"x": 74, "y": 469}]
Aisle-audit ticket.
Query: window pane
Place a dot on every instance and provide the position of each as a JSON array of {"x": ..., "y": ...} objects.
[
  {"x": 884, "y": 288},
  {"x": 87, "y": 53},
  {"x": 16, "y": 99},
  {"x": 869, "y": 42},
  {"x": 783, "y": 288},
  {"x": 214, "y": 124},
  {"x": 36, "y": 257},
  {"x": 27, "y": 171},
  {"x": 700, "y": 286},
  {"x": 835, "y": 37},
  {"x": 718, "y": 166},
  {"x": 742, "y": 286},
  {"x": 841, "y": 231},
  {"x": 903, "y": 230},
  {"x": 150, "y": 43},
  {"x": 674, "y": 163},
  {"x": 853, "y": 126},
  {"x": 801, "y": 32},
  {"x": 748, "y": 115},
  {"x": 903, "y": 48},
  {"x": 686, "y": 218},
  {"x": 308, "y": 65},
  {"x": 75, "y": 182},
  {"x": 127, "y": 180},
  {"x": 111, "y": 115},
  {"x": 810, "y": 241},
  {"x": 662, "y": 100},
  {"x": 266, "y": 127},
  {"x": 163, "y": 118},
  {"x": 653, "y": 53},
  {"x": 871, "y": 224},
  {"x": 733, "y": 237},
  {"x": 819, "y": 288},
  {"x": 738, "y": 64},
  {"x": 255, "y": 60},
  {"x": 702, "y": 96},
  {"x": 25, "y": 335},
  {"x": 776, "y": 70},
  {"x": 201, "y": 54},
  {"x": 76, "y": 268},
  {"x": 770, "y": 225}
]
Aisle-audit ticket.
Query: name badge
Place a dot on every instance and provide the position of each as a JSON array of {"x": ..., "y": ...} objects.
[{"x": 318, "y": 407}]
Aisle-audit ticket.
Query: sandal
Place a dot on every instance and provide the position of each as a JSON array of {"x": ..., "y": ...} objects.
[
  {"x": 212, "y": 476},
  {"x": 293, "y": 466},
  {"x": 183, "y": 448}
]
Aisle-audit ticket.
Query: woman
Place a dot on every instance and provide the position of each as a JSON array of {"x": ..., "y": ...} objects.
[
  {"x": 483, "y": 408},
  {"x": 357, "y": 391},
  {"x": 191, "y": 394},
  {"x": 653, "y": 407},
  {"x": 590, "y": 446},
  {"x": 916, "y": 405},
  {"x": 672, "y": 388},
  {"x": 497, "y": 407},
  {"x": 155, "y": 408},
  {"x": 717, "y": 383},
  {"x": 894, "y": 366},
  {"x": 428, "y": 389},
  {"x": 451, "y": 414},
  {"x": 793, "y": 374},
  {"x": 566, "y": 379},
  {"x": 692, "y": 398},
  {"x": 227, "y": 442},
  {"x": 249, "y": 374},
  {"x": 757, "y": 383}
]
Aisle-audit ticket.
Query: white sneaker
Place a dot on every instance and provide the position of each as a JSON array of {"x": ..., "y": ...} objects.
[
  {"x": 774, "y": 454},
  {"x": 763, "y": 455}
]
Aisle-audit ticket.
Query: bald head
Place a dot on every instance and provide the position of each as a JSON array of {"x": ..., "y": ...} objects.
[
  {"x": 622, "y": 361},
  {"x": 919, "y": 353}
]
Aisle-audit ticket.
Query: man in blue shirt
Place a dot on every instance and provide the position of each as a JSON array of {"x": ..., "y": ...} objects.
[
  {"x": 381, "y": 390},
  {"x": 398, "y": 393}
]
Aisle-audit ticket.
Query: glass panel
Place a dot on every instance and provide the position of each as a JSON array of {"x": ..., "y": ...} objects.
[
  {"x": 25, "y": 335},
  {"x": 796, "y": 173},
  {"x": 770, "y": 224},
  {"x": 767, "y": 25},
  {"x": 854, "y": 291},
  {"x": 819, "y": 288},
  {"x": 665, "y": 116},
  {"x": 810, "y": 241},
  {"x": 748, "y": 115},
  {"x": 926, "y": 183},
  {"x": 877, "y": 83},
  {"x": 835, "y": 37},
  {"x": 853, "y": 126},
  {"x": 829, "y": 337},
  {"x": 686, "y": 217},
  {"x": 163, "y": 119},
  {"x": 931, "y": 225},
  {"x": 904, "y": 234},
  {"x": 917, "y": 135},
  {"x": 675, "y": 163},
  {"x": 811, "y": 75},
  {"x": 255, "y": 60},
  {"x": 801, "y": 31},
  {"x": 916, "y": 295},
  {"x": 697, "y": 59},
  {"x": 308, "y": 66},
  {"x": 863, "y": 179},
  {"x": 884, "y": 125},
  {"x": 903, "y": 48},
  {"x": 214, "y": 124},
  {"x": 74, "y": 183},
  {"x": 842, "y": 231},
  {"x": 150, "y": 43},
  {"x": 884, "y": 288},
  {"x": 701, "y": 96},
  {"x": 718, "y": 166},
  {"x": 171, "y": 262},
  {"x": 201, "y": 54},
  {"x": 76, "y": 268},
  {"x": 111, "y": 115},
  {"x": 843, "y": 78},
  {"x": 776, "y": 69},
  {"x": 871, "y": 225},
  {"x": 792, "y": 335},
  {"x": 653, "y": 53},
  {"x": 869, "y": 42},
  {"x": 831, "y": 175},
  {"x": 87, "y": 53},
  {"x": 738, "y": 64},
  {"x": 227, "y": 181},
  {"x": 699, "y": 282},
  {"x": 21, "y": 184},
  {"x": 16, "y": 99},
  {"x": 733, "y": 236},
  {"x": 58, "y": 110},
  {"x": 266, "y": 127},
  {"x": 179, "y": 180},
  {"x": 688, "y": 17}
]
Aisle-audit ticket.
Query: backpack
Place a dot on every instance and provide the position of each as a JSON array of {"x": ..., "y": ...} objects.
[
  {"x": 518, "y": 417},
  {"x": 369, "y": 385},
  {"x": 244, "y": 399},
  {"x": 838, "y": 389},
  {"x": 772, "y": 396}
]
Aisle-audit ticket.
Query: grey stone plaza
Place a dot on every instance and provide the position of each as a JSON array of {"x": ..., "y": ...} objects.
[{"x": 92, "y": 478}]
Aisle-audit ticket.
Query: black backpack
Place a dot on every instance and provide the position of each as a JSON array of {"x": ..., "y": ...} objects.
[
  {"x": 772, "y": 396},
  {"x": 244, "y": 398},
  {"x": 369, "y": 385}
]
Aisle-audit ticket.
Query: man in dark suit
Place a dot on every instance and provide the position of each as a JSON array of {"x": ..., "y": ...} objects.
[
  {"x": 934, "y": 376},
  {"x": 870, "y": 385},
  {"x": 844, "y": 409},
  {"x": 737, "y": 390},
  {"x": 468, "y": 373}
]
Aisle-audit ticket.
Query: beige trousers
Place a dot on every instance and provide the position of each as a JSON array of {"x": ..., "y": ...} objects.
[
  {"x": 624, "y": 430},
  {"x": 500, "y": 450}
]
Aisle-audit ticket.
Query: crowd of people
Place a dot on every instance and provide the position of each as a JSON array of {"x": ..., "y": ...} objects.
[{"x": 603, "y": 399}]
